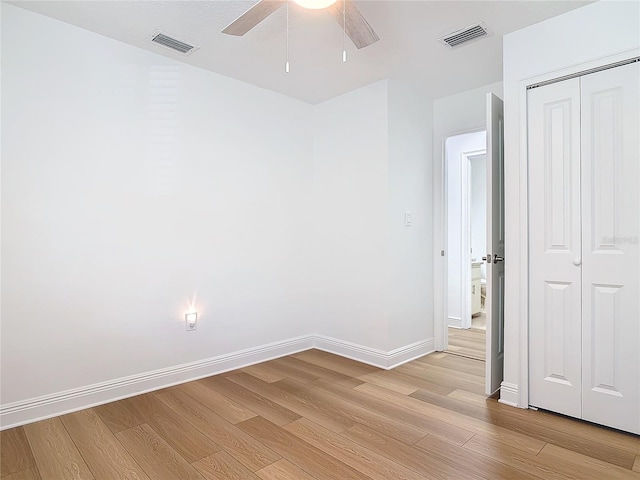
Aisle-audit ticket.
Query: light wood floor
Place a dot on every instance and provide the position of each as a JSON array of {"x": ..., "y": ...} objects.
[
  {"x": 469, "y": 343},
  {"x": 318, "y": 416}
]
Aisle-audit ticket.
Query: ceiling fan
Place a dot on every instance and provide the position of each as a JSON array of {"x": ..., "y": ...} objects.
[{"x": 346, "y": 14}]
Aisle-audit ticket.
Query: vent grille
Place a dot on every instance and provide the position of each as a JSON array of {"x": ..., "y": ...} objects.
[
  {"x": 173, "y": 43},
  {"x": 465, "y": 35}
]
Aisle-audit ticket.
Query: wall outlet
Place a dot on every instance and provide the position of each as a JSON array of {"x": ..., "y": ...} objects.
[{"x": 191, "y": 320}]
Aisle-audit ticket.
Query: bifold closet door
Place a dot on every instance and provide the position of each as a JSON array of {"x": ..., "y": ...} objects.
[
  {"x": 555, "y": 316},
  {"x": 610, "y": 244},
  {"x": 584, "y": 247}
]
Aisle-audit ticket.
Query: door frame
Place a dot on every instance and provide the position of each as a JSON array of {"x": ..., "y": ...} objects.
[
  {"x": 441, "y": 318},
  {"x": 517, "y": 226}
]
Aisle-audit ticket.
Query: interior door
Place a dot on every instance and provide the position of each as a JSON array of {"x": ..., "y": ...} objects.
[
  {"x": 495, "y": 245},
  {"x": 611, "y": 260},
  {"x": 555, "y": 357}
]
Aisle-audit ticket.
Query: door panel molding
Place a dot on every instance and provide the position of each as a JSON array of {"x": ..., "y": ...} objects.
[{"x": 554, "y": 253}]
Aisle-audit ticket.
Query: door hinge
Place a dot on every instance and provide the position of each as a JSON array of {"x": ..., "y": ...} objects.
[{"x": 442, "y": 253}]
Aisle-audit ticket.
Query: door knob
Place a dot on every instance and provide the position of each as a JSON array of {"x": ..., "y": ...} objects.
[{"x": 497, "y": 258}]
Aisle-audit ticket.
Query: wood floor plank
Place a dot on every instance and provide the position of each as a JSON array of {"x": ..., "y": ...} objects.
[
  {"x": 460, "y": 375},
  {"x": 429, "y": 376},
  {"x": 454, "y": 364},
  {"x": 463, "y": 352},
  {"x": 55, "y": 454},
  {"x": 469, "y": 397},
  {"x": 371, "y": 464},
  {"x": 636, "y": 464},
  {"x": 585, "y": 466},
  {"x": 470, "y": 343},
  {"x": 471, "y": 424},
  {"x": 222, "y": 466},
  {"x": 343, "y": 365},
  {"x": 327, "y": 417},
  {"x": 105, "y": 456},
  {"x": 223, "y": 406},
  {"x": 283, "y": 470},
  {"x": 395, "y": 411},
  {"x": 29, "y": 474},
  {"x": 462, "y": 339},
  {"x": 264, "y": 372},
  {"x": 419, "y": 381},
  {"x": 183, "y": 437},
  {"x": 15, "y": 452},
  {"x": 299, "y": 452},
  {"x": 417, "y": 460},
  {"x": 469, "y": 333},
  {"x": 342, "y": 402},
  {"x": 481, "y": 465},
  {"x": 244, "y": 448},
  {"x": 389, "y": 382},
  {"x": 120, "y": 415},
  {"x": 283, "y": 366},
  {"x": 514, "y": 457},
  {"x": 155, "y": 456},
  {"x": 567, "y": 426},
  {"x": 256, "y": 403},
  {"x": 514, "y": 420},
  {"x": 582, "y": 431},
  {"x": 321, "y": 372}
]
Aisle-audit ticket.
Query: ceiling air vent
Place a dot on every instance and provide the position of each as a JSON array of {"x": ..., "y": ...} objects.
[
  {"x": 465, "y": 35},
  {"x": 173, "y": 43}
]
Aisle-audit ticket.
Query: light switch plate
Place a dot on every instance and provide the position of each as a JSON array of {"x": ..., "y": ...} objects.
[{"x": 408, "y": 219}]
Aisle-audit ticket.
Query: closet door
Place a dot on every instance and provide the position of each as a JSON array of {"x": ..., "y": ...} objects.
[
  {"x": 555, "y": 358},
  {"x": 611, "y": 262}
]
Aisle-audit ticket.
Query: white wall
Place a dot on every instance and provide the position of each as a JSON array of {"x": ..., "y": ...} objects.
[
  {"x": 458, "y": 148},
  {"x": 594, "y": 35},
  {"x": 479, "y": 210},
  {"x": 461, "y": 113},
  {"x": 350, "y": 206},
  {"x": 132, "y": 185},
  {"x": 371, "y": 164},
  {"x": 410, "y": 177}
]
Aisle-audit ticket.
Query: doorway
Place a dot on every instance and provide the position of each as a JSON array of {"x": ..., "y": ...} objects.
[
  {"x": 457, "y": 280},
  {"x": 466, "y": 243}
]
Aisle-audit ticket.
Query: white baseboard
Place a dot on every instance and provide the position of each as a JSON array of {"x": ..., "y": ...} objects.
[
  {"x": 455, "y": 322},
  {"x": 410, "y": 352},
  {"x": 509, "y": 394},
  {"x": 53, "y": 405},
  {"x": 373, "y": 356}
]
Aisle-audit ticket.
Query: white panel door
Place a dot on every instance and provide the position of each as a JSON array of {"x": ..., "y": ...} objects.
[
  {"x": 494, "y": 367},
  {"x": 611, "y": 260},
  {"x": 554, "y": 248}
]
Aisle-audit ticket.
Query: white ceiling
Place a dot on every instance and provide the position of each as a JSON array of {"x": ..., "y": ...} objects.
[{"x": 408, "y": 48}]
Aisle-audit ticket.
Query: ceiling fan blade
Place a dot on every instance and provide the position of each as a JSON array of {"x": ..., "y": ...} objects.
[
  {"x": 358, "y": 29},
  {"x": 253, "y": 17}
]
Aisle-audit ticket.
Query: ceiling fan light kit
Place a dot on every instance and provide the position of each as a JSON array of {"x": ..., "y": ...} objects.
[
  {"x": 352, "y": 22},
  {"x": 315, "y": 4}
]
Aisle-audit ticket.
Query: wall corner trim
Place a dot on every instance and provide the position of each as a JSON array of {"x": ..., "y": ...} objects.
[
  {"x": 509, "y": 395},
  {"x": 60, "y": 403},
  {"x": 373, "y": 356}
]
